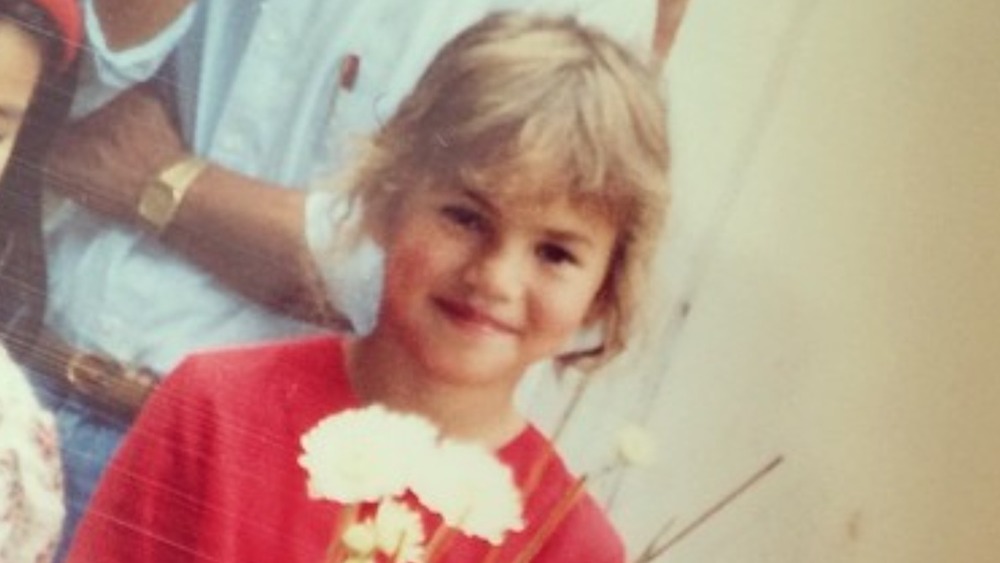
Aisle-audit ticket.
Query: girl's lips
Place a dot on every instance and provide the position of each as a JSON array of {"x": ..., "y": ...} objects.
[{"x": 468, "y": 315}]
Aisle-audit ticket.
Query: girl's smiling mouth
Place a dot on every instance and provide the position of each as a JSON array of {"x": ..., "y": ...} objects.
[{"x": 468, "y": 316}]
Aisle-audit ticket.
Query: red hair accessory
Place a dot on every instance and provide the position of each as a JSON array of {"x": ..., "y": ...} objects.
[{"x": 66, "y": 15}]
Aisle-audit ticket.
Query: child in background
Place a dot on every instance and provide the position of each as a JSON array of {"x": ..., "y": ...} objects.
[
  {"x": 38, "y": 42},
  {"x": 31, "y": 503},
  {"x": 516, "y": 193}
]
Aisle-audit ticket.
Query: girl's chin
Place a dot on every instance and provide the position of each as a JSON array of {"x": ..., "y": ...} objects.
[{"x": 469, "y": 366}]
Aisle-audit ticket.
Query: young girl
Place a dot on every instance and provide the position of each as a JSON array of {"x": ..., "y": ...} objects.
[
  {"x": 38, "y": 41},
  {"x": 516, "y": 194}
]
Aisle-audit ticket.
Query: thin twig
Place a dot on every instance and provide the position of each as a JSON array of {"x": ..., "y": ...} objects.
[
  {"x": 574, "y": 402},
  {"x": 714, "y": 509},
  {"x": 649, "y": 552},
  {"x": 552, "y": 521}
]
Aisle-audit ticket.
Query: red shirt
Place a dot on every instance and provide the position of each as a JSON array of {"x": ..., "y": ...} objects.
[{"x": 210, "y": 471}]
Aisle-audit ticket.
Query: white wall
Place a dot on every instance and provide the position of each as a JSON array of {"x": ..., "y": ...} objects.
[{"x": 837, "y": 232}]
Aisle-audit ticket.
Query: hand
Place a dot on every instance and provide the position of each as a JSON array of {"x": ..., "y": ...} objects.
[{"x": 106, "y": 159}]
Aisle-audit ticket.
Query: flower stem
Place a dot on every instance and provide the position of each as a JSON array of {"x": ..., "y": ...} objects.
[
  {"x": 575, "y": 399},
  {"x": 492, "y": 556},
  {"x": 552, "y": 520},
  {"x": 345, "y": 517},
  {"x": 438, "y": 543},
  {"x": 398, "y": 549},
  {"x": 653, "y": 553}
]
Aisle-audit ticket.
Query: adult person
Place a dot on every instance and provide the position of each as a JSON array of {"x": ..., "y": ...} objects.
[{"x": 191, "y": 223}]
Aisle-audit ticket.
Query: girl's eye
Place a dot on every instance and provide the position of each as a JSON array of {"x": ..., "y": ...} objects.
[
  {"x": 556, "y": 254},
  {"x": 465, "y": 217}
]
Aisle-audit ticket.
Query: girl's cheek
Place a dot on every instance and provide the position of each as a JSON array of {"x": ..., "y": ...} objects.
[
  {"x": 564, "y": 307},
  {"x": 406, "y": 260},
  {"x": 417, "y": 259}
]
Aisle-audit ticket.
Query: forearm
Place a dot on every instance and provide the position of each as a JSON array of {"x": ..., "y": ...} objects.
[
  {"x": 247, "y": 233},
  {"x": 250, "y": 235},
  {"x": 128, "y": 23}
]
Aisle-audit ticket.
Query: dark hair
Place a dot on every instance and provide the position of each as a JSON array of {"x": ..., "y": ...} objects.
[
  {"x": 22, "y": 264},
  {"x": 33, "y": 19}
]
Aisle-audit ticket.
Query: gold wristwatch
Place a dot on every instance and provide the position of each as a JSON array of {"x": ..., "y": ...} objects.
[{"x": 160, "y": 199}]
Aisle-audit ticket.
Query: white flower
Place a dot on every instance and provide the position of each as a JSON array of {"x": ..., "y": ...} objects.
[
  {"x": 372, "y": 455},
  {"x": 362, "y": 455},
  {"x": 360, "y": 539},
  {"x": 471, "y": 490},
  {"x": 636, "y": 445},
  {"x": 399, "y": 532}
]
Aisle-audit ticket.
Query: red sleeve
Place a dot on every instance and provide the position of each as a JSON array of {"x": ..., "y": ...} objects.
[
  {"x": 585, "y": 535},
  {"x": 147, "y": 506}
]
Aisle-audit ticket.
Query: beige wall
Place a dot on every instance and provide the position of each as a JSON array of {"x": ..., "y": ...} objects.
[{"x": 837, "y": 232}]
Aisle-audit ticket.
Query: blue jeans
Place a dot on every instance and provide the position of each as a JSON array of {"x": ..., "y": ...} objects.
[{"x": 87, "y": 439}]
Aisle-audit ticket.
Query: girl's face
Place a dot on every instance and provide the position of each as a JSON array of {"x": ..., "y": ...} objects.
[
  {"x": 20, "y": 70},
  {"x": 478, "y": 288}
]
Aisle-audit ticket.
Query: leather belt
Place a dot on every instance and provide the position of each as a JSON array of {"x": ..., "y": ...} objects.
[{"x": 116, "y": 387}]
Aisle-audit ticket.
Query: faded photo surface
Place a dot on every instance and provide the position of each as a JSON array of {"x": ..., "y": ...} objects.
[{"x": 634, "y": 281}]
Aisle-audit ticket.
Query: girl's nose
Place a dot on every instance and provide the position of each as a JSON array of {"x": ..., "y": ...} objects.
[{"x": 497, "y": 274}]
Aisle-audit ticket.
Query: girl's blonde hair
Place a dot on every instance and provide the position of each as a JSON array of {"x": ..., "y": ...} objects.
[{"x": 545, "y": 103}]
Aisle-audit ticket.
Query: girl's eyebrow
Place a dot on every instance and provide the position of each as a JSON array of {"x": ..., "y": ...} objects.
[
  {"x": 479, "y": 199},
  {"x": 562, "y": 236},
  {"x": 569, "y": 237}
]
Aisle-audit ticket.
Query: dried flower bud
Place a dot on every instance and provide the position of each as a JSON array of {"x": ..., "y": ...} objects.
[
  {"x": 636, "y": 445},
  {"x": 360, "y": 539}
]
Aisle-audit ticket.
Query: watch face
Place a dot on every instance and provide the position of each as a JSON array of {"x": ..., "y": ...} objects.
[{"x": 157, "y": 204}]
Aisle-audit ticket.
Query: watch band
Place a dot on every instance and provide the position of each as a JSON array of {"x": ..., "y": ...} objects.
[{"x": 160, "y": 199}]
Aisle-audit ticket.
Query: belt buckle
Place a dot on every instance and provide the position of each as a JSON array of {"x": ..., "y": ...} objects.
[
  {"x": 109, "y": 382},
  {"x": 82, "y": 369}
]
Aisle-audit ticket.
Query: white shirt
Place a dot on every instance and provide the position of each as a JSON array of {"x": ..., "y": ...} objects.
[{"x": 257, "y": 86}]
